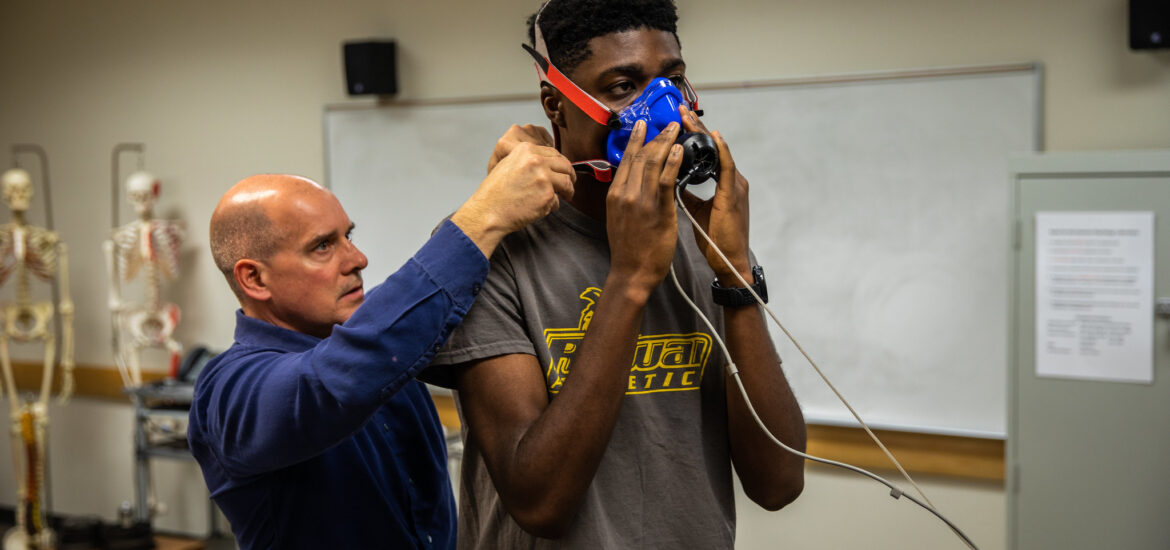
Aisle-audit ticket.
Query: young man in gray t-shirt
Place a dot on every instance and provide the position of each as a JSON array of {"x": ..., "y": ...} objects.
[{"x": 595, "y": 402}]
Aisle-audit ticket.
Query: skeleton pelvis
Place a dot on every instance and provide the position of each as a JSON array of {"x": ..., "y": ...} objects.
[
  {"x": 25, "y": 322},
  {"x": 150, "y": 328}
]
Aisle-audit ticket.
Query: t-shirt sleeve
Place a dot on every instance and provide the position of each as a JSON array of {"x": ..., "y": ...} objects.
[{"x": 493, "y": 326}]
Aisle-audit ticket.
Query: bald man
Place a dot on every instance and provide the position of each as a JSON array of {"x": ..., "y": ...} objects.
[{"x": 311, "y": 430}]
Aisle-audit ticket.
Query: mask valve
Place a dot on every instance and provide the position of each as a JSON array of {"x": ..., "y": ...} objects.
[{"x": 700, "y": 160}]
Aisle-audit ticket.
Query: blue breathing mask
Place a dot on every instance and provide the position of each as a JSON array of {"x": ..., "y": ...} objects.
[{"x": 658, "y": 106}]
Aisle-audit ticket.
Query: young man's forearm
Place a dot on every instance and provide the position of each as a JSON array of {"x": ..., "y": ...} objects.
[{"x": 771, "y": 476}]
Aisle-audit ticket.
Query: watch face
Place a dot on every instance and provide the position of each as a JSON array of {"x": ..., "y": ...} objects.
[{"x": 760, "y": 286}]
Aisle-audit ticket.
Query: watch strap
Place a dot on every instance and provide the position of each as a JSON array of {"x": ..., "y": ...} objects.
[{"x": 739, "y": 297}]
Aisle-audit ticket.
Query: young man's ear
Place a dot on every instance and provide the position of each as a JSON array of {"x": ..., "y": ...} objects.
[
  {"x": 252, "y": 279},
  {"x": 553, "y": 103}
]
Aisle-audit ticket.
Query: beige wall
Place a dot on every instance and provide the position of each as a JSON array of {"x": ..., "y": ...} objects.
[{"x": 221, "y": 89}]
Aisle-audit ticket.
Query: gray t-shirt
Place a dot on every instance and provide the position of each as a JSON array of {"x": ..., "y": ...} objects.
[{"x": 665, "y": 479}]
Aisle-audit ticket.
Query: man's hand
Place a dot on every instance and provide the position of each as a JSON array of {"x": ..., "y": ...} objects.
[
  {"x": 725, "y": 215},
  {"x": 641, "y": 221},
  {"x": 521, "y": 188},
  {"x": 516, "y": 134}
]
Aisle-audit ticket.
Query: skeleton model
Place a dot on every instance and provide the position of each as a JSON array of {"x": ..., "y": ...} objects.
[
  {"x": 150, "y": 247},
  {"x": 25, "y": 250}
]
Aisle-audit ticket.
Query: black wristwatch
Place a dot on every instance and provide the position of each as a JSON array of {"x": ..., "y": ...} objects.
[{"x": 738, "y": 297}]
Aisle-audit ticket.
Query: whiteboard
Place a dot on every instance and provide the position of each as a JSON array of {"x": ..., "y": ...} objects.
[{"x": 880, "y": 212}]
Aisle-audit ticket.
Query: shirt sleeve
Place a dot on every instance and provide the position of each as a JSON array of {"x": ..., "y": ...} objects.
[
  {"x": 273, "y": 408},
  {"x": 494, "y": 326}
]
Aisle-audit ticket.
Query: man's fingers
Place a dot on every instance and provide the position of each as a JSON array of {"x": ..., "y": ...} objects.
[
  {"x": 539, "y": 134},
  {"x": 563, "y": 183},
  {"x": 562, "y": 176},
  {"x": 728, "y": 181},
  {"x": 528, "y": 133},
  {"x": 516, "y": 136},
  {"x": 637, "y": 136},
  {"x": 669, "y": 175},
  {"x": 572, "y": 172},
  {"x": 691, "y": 121},
  {"x": 656, "y": 150},
  {"x": 654, "y": 156},
  {"x": 556, "y": 162},
  {"x": 545, "y": 151},
  {"x": 726, "y": 163}
]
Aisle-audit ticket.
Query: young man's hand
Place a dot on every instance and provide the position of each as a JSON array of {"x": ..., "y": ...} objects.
[
  {"x": 641, "y": 221},
  {"x": 725, "y": 215}
]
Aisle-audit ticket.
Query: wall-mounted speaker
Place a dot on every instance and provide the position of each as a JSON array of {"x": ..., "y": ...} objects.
[
  {"x": 1149, "y": 24},
  {"x": 370, "y": 68}
]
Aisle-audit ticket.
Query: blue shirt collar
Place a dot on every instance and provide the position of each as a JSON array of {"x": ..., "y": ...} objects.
[{"x": 253, "y": 332}]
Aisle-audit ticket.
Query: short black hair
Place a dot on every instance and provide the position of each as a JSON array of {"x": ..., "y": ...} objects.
[{"x": 569, "y": 25}]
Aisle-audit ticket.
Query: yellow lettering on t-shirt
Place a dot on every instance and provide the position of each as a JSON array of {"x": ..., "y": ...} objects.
[{"x": 653, "y": 354}]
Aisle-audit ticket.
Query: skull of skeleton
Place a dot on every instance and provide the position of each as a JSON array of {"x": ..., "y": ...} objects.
[
  {"x": 142, "y": 190},
  {"x": 17, "y": 189}
]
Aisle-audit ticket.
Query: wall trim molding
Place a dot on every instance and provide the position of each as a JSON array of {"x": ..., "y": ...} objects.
[
  {"x": 91, "y": 381},
  {"x": 962, "y": 457},
  {"x": 971, "y": 458}
]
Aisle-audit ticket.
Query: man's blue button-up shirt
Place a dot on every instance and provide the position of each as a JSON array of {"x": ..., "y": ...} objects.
[{"x": 331, "y": 443}]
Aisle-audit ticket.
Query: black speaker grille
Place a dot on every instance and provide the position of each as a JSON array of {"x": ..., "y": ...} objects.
[
  {"x": 370, "y": 68},
  {"x": 1149, "y": 24}
]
